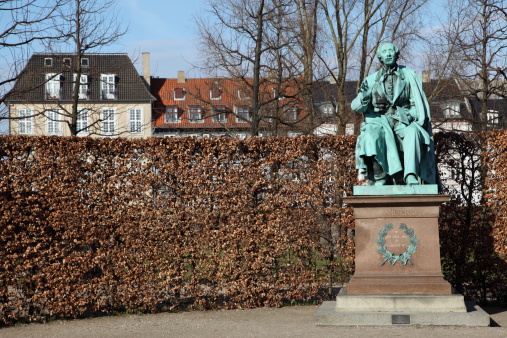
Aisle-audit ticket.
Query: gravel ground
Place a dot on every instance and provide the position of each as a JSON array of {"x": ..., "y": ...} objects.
[{"x": 294, "y": 321}]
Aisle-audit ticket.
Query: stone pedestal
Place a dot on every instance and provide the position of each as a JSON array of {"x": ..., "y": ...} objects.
[
  {"x": 403, "y": 283},
  {"x": 422, "y": 273}
]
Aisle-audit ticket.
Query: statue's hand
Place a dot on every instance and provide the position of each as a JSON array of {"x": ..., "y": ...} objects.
[{"x": 365, "y": 91}]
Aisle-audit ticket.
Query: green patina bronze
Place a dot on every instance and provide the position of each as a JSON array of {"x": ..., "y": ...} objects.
[
  {"x": 388, "y": 256},
  {"x": 395, "y": 145}
]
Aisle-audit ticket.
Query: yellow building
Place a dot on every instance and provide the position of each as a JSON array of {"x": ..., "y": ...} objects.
[{"x": 99, "y": 95}]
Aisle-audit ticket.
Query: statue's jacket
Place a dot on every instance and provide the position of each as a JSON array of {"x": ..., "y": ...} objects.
[{"x": 386, "y": 120}]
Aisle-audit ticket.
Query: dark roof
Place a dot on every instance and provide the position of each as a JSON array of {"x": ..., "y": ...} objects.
[
  {"x": 129, "y": 85},
  {"x": 324, "y": 91},
  {"x": 437, "y": 93}
]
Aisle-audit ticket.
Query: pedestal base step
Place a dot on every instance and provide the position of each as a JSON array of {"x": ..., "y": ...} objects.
[
  {"x": 327, "y": 315},
  {"x": 399, "y": 303}
]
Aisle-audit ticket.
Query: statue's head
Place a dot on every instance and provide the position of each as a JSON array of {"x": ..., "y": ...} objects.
[{"x": 388, "y": 53}]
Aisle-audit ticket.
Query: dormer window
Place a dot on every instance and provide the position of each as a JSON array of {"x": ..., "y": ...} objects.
[
  {"x": 242, "y": 114},
  {"x": 290, "y": 115},
  {"x": 219, "y": 114},
  {"x": 451, "y": 109},
  {"x": 108, "y": 86},
  {"x": 195, "y": 114},
  {"x": 53, "y": 86},
  {"x": 243, "y": 94},
  {"x": 179, "y": 93},
  {"x": 83, "y": 93},
  {"x": 48, "y": 62},
  {"x": 172, "y": 114},
  {"x": 492, "y": 117},
  {"x": 215, "y": 94}
]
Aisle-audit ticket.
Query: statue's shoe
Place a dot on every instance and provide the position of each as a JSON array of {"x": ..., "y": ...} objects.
[{"x": 412, "y": 180}]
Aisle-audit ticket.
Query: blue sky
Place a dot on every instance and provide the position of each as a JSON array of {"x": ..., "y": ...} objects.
[{"x": 165, "y": 29}]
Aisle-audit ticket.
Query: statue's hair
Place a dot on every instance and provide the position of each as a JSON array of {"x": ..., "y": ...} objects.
[{"x": 396, "y": 50}]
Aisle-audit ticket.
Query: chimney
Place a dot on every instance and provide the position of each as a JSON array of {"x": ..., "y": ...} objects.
[
  {"x": 332, "y": 78},
  {"x": 146, "y": 68},
  {"x": 426, "y": 76},
  {"x": 181, "y": 76}
]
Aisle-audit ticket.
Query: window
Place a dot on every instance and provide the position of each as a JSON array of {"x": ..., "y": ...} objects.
[
  {"x": 66, "y": 61},
  {"x": 25, "y": 124},
  {"x": 219, "y": 114},
  {"x": 327, "y": 109},
  {"x": 215, "y": 94},
  {"x": 242, "y": 114},
  {"x": 108, "y": 86},
  {"x": 179, "y": 93},
  {"x": 52, "y": 86},
  {"x": 492, "y": 117},
  {"x": 349, "y": 129},
  {"x": 451, "y": 109},
  {"x": 53, "y": 122},
  {"x": 290, "y": 115},
  {"x": 82, "y": 122},
  {"x": 195, "y": 115},
  {"x": 243, "y": 94},
  {"x": 83, "y": 86},
  {"x": 172, "y": 115},
  {"x": 108, "y": 121},
  {"x": 48, "y": 62},
  {"x": 84, "y": 62},
  {"x": 276, "y": 94},
  {"x": 136, "y": 120}
]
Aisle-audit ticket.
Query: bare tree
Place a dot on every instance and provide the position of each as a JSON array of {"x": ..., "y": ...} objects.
[
  {"x": 354, "y": 30},
  {"x": 86, "y": 26},
  {"x": 247, "y": 41},
  {"x": 305, "y": 30},
  {"x": 25, "y": 24},
  {"x": 478, "y": 34}
]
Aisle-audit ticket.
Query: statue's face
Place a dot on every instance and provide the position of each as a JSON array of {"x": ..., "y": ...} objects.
[{"x": 387, "y": 54}]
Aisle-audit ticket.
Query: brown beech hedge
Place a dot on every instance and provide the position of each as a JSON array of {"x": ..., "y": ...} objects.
[
  {"x": 91, "y": 226},
  {"x": 97, "y": 226}
]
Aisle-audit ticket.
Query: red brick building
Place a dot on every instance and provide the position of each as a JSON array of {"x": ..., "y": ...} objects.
[{"x": 214, "y": 107}]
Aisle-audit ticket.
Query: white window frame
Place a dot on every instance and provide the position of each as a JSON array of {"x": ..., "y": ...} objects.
[
  {"x": 240, "y": 112},
  {"x": 451, "y": 109},
  {"x": 108, "y": 120},
  {"x": 83, "y": 86},
  {"x": 215, "y": 98},
  {"x": 174, "y": 112},
  {"x": 184, "y": 92},
  {"x": 108, "y": 86},
  {"x": 241, "y": 96},
  {"x": 82, "y": 122},
  {"x": 53, "y": 123},
  {"x": 219, "y": 116},
  {"x": 85, "y": 62},
  {"x": 136, "y": 120},
  {"x": 290, "y": 115},
  {"x": 48, "y": 62},
  {"x": 493, "y": 116},
  {"x": 25, "y": 124},
  {"x": 53, "y": 86},
  {"x": 197, "y": 118}
]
